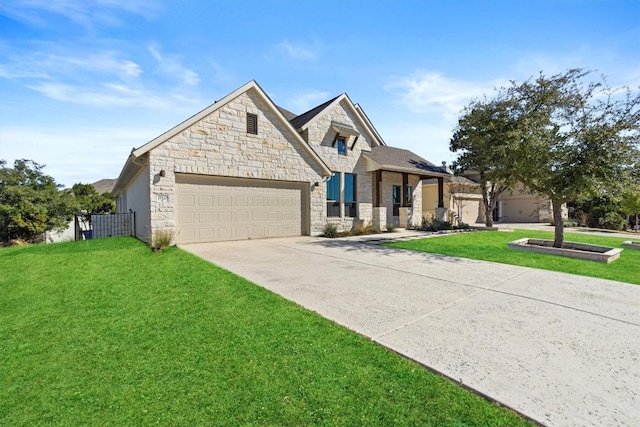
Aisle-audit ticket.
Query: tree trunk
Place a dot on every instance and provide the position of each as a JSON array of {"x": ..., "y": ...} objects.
[
  {"x": 488, "y": 211},
  {"x": 559, "y": 224}
]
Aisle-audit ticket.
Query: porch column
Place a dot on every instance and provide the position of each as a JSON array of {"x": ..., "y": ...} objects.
[
  {"x": 377, "y": 188},
  {"x": 440, "y": 192},
  {"x": 441, "y": 211},
  {"x": 379, "y": 219},
  {"x": 405, "y": 184}
]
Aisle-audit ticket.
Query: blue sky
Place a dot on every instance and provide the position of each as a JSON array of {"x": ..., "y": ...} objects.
[{"x": 82, "y": 82}]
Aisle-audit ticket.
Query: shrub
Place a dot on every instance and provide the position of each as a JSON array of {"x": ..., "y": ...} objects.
[
  {"x": 435, "y": 225},
  {"x": 612, "y": 221},
  {"x": 162, "y": 239},
  {"x": 570, "y": 223},
  {"x": 330, "y": 230},
  {"x": 371, "y": 229},
  {"x": 461, "y": 226},
  {"x": 391, "y": 228},
  {"x": 359, "y": 229}
]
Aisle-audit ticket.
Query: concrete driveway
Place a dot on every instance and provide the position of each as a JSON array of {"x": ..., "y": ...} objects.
[{"x": 559, "y": 348}]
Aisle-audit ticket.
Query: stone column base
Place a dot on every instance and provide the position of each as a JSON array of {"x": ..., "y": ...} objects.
[
  {"x": 405, "y": 216},
  {"x": 441, "y": 213},
  {"x": 379, "y": 218}
]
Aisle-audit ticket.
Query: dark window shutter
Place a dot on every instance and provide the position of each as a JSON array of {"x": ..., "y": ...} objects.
[{"x": 252, "y": 123}]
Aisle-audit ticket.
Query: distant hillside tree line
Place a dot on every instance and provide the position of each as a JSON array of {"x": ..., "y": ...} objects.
[{"x": 32, "y": 203}]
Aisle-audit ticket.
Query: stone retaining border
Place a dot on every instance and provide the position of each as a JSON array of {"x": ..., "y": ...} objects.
[{"x": 569, "y": 249}]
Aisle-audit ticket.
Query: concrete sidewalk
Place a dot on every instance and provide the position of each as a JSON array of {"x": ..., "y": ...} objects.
[{"x": 560, "y": 348}]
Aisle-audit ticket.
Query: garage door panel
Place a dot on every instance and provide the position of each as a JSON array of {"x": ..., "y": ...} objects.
[
  {"x": 225, "y": 217},
  {"x": 258, "y": 231},
  {"x": 215, "y": 208},
  {"x": 205, "y": 234},
  {"x": 225, "y": 200},
  {"x": 186, "y": 200},
  {"x": 186, "y": 217},
  {"x": 242, "y": 216},
  {"x": 520, "y": 210},
  {"x": 224, "y": 233},
  {"x": 242, "y": 232}
]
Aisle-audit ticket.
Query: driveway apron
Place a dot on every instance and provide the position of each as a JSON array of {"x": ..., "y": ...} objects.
[{"x": 559, "y": 348}]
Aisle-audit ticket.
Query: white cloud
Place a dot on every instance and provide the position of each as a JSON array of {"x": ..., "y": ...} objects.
[
  {"x": 81, "y": 12},
  {"x": 300, "y": 51},
  {"x": 44, "y": 64},
  {"x": 171, "y": 66},
  {"x": 106, "y": 62},
  {"x": 307, "y": 100},
  {"x": 99, "y": 78},
  {"x": 432, "y": 92},
  {"x": 113, "y": 94}
]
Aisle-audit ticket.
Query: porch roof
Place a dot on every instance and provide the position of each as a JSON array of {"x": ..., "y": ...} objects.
[{"x": 404, "y": 161}]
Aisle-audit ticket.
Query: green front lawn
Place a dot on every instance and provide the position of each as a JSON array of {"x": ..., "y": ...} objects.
[
  {"x": 492, "y": 246},
  {"x": 105, "y": 332}
]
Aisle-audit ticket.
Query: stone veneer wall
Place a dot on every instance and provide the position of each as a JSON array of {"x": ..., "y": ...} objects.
[
  {"x": 320, "y": 136},
  {"x": 219, "y": 145}
]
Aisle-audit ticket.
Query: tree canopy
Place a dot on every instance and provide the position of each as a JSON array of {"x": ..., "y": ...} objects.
[
  {"x": 562, "y": 136},
  {"x": 31, "y": 202},
  {"x": 89, "y": 201}
]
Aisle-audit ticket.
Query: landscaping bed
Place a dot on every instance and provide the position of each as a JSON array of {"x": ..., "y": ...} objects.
[
  {"x": 568, "y": 249},
  {"x": 631, "y": 244}
]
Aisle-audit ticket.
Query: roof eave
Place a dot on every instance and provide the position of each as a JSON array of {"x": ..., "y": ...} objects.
[
  {"x": 373, "y": 165},
  {"x": 129, "y": 170},
  {"x": 137, "y": 153}
]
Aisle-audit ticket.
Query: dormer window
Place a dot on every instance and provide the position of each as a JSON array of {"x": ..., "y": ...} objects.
[{"x": 342, "y": 145}]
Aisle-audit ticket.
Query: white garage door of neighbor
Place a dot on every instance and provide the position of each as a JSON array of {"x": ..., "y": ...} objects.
[
  {"x": 470, "y": 211},
  {"x": 210, "y": 209},
  {"x": 520, "y": 210}
]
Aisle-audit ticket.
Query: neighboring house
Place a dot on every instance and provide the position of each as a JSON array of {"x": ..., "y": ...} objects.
[
  {"x": 463, "y": 198},
  {"x": 246, "y": 168}
]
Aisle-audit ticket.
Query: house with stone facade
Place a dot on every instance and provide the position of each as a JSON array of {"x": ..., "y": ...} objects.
[{"x": 245, "y": 168}]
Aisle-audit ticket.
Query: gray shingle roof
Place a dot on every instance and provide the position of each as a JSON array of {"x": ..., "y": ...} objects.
[
  {"x": 286, "y": 113},
  {"x": 398, "y": 158},
  {"x": 303, "y": 118},
  {"x": 457, "y": 179}
]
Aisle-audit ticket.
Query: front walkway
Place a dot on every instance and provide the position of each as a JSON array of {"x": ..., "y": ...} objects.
[{"x": 560, "y": 348}]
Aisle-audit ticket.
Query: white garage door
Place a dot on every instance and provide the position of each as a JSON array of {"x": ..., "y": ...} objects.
[
  {"x": 470, "y": 211},
  {"x": 520, "y": 210},
  {"x": 210, "y": 209}
]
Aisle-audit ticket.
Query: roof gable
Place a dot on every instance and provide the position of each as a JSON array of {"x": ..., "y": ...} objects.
[
  {"x": 303, "y": 121},
  {"x": 132, "y": 166}
]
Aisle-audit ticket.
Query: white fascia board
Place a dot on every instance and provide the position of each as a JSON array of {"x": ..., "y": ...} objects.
[
  {"x": 219, "y": 104},
  {"x": 372, "y": 128}
]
